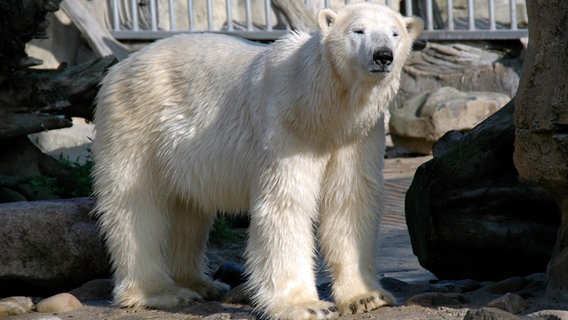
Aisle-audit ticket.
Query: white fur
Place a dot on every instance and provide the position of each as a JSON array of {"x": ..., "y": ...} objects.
[{"x": 292, "y": 132}]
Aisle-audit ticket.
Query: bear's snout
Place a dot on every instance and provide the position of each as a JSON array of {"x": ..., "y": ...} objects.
[{"x": 383, "y": 57}]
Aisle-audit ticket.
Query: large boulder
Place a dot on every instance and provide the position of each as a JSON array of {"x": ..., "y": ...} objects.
[
  {"x": 461, "y": 66},
  {"x": 541, "y": 135},
  {"x": 469, "y": 214},
  {"x": 49, "y": 246},
  {"x": 423, "y": 119}
]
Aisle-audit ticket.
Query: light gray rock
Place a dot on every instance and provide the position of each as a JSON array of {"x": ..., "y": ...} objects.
[
  {"x": 15, "y": 305},
  {"x": 423, "y": 119},
  {"x": 549, "y": 315},
  {"x": 63, "y": 302},
  {"x": 510, "y": 302},
  {"x": 54, "y": 246}
]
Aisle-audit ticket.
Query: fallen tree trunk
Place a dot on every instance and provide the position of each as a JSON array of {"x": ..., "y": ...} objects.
[
  {"x": 99, "y": 38},
  {"x": 297, "y": 14},
  {"x": 21, "y": 21},
  {"x": 73, "y": 87},
  {"x": 20, "y": 124},
  {"x": 34, "y": 100}
]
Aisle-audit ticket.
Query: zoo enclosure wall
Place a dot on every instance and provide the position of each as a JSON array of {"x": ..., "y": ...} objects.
[{"x": 255, "y": 19}]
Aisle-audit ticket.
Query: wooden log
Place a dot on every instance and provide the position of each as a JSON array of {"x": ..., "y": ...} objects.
[
  {"x": 20, "y": 124},
  {"x": 21, "y": 21},
  {"x": 470, "y": 216},
  {"x": 97, "y": 35},
  {"x": 55, "y": 90}
]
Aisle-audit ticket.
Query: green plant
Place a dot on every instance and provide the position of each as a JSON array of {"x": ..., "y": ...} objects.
[
  {"x": 223, "y": 231},
  {"x": 81, "y": 181}
]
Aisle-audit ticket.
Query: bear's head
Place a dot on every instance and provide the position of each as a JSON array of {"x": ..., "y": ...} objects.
[{"x": 368, "y": 41}]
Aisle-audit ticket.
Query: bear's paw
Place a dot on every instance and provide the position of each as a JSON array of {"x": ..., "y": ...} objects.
[
  {"x": 211, "y": 290},
  {"x": 367, "y": 302},
  {"x": 309, "y": 311},
  {"x": 171, "y": 297}
]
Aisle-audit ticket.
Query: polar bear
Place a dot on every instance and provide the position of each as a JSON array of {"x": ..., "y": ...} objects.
[{"x": 291, "y": 133}]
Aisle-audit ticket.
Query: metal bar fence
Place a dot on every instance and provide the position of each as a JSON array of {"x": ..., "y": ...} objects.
[{"x": 253, "y": 19}]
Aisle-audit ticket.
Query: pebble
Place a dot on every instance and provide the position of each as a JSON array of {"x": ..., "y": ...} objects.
[
  {"x": 15, "y": 305},
  {"x": 489, "y": 314},
  {"x": 63, "y": 302},
  {"x": 510, "y": 302}
]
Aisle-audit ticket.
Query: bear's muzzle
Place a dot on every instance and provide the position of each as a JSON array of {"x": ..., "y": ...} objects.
[{"x": 383, "y": 58}]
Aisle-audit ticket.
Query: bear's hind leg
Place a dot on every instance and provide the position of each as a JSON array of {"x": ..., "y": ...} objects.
[
  {"x": 137, "y": 233},
  {"x": 188, "y": 241}
]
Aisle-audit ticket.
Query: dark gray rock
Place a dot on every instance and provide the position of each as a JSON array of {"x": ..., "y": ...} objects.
[
  {"x": 470, "y": 216},
  {"x": 457, "y": 286},
  {"x": 231, "y": 273},
  {"x": 434, "y": 299},
  {"x": 53, "y": 246},
  {"x": 97, "y": 289},
  {"x": 489, "y": 314},
  {"x": 513, "y": 284}
]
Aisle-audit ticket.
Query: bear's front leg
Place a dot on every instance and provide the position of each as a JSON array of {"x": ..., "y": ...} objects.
[
  {"x": 351, "y": 208},
  {"x": 280, "y": 251}
]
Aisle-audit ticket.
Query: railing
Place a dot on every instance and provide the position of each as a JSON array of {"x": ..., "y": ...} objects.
[{"x": 254, "y": 19}]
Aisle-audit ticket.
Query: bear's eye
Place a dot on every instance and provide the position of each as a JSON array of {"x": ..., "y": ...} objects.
[
  {"x": 358, "y": 30},
  {"x": 396, "y": 33}
]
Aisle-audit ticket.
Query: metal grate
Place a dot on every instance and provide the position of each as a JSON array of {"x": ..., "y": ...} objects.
[{"x": 254, "y": 19}]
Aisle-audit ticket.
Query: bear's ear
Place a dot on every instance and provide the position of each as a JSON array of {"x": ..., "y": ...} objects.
[
  {"x": 326, "y": 18},
  {"x": 414, "y": 26}
]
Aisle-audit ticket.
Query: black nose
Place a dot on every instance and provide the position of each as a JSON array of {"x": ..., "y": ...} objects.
[{"x": 383, "y": 56}]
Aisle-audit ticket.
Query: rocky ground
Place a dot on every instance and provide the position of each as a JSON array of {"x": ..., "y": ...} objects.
[{"x": 420, "y": 294}]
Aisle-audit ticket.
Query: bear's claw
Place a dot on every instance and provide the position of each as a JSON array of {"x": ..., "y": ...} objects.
[
  {"x": 368, "y": 302},
  {"x": 164, "y": 298},
  {"x": 316, "y": 310}
]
